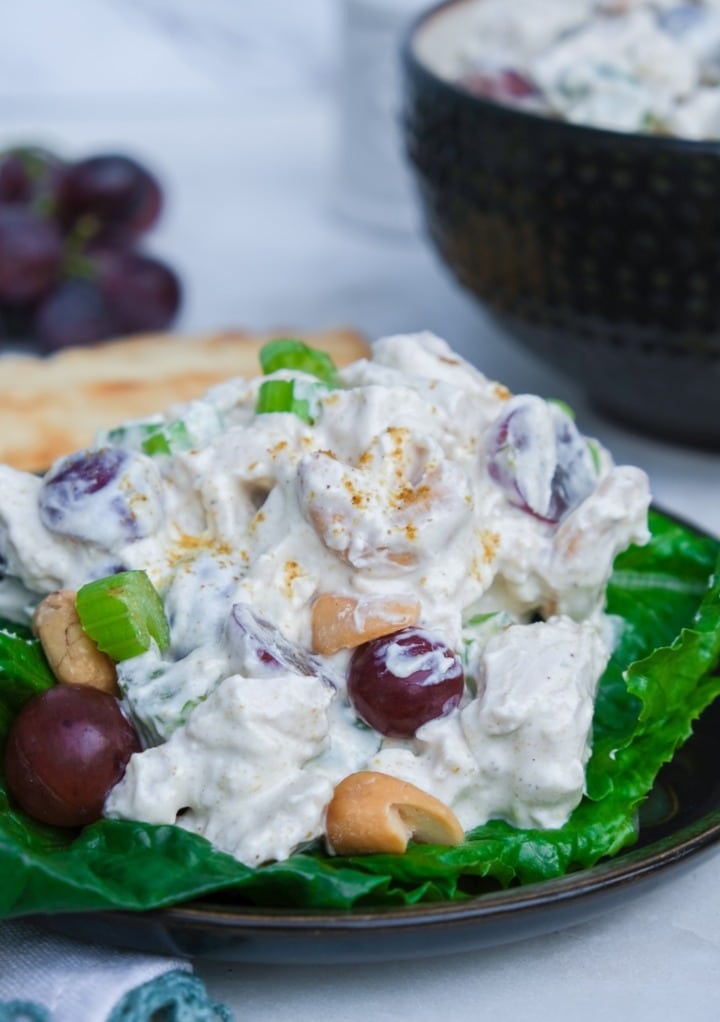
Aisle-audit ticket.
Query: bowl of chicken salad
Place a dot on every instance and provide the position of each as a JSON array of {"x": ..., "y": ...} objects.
[
  {"x": 345, "y": 647},
  {"x": 566, "y": 161}
]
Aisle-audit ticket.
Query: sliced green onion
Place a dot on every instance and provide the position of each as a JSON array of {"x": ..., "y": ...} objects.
[
  {"x": 167, "y": 439},
  {"x": 480, "y": 619},
  {"x": 289, "y": 353},
  {"x": 152, "y": 438},
  {"x": 156, "y": 444},
  {"x": 117, "y": 436},
  {"x": 123, "y": 613},
  {"x": 563, "y": 406},
  {"x": 595, "y": 455},
  {"x": 275, "y": 396},
  {"x": 279, "y": 396}
]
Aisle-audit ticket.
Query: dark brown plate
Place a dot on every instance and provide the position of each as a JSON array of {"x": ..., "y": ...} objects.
[{"x": 680, "y": 825}]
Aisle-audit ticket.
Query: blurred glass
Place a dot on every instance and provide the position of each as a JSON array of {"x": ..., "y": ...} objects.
[{"x": 372, "y": 181}]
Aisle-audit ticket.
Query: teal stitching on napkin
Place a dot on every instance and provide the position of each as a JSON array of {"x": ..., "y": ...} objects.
[
  {"x": 173, "y": 997},
  {"x": 22, "y": 1011}
]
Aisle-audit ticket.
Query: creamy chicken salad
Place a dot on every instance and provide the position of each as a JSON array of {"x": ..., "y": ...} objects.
[
  {"x": 394, "y": 573},
  {"x": 628, "y": 65}
]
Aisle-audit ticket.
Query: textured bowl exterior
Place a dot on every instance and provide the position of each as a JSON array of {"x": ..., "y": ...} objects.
[{"x": 599, "y": 250}]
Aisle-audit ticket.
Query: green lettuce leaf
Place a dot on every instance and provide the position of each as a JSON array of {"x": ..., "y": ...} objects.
[
  {"x": 666, "y": 598},
  {"x": 23, "y": 671}
]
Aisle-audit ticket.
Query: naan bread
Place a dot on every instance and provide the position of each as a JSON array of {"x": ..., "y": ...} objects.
[{"x": 52, "y": 406}]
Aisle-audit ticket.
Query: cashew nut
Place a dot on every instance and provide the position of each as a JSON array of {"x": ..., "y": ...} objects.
[
  {"x": 373, "y": 812},
  {"x": 402, "y": 498},
  {"x": 73, "y": 656},
  {"x": 341, "y": 622}
]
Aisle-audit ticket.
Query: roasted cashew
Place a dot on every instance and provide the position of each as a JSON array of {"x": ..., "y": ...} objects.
[
  {"x": 73, "y": 656},
  {"x": 371, "y": 812},
  {"x": 403, "y": 498},
  {"x": 341, "y": 622}
]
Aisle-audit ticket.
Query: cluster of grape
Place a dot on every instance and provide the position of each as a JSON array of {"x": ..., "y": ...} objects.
[{"x": 71, "y": 270}]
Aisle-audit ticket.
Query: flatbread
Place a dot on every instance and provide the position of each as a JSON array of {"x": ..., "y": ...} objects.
[{"x": 52, "y": 406}]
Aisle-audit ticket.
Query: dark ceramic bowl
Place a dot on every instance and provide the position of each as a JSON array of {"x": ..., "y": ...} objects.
[{"x": 598, "y": 250}]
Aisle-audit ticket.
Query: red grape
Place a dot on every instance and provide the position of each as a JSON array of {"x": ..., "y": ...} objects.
[
  {"x": 141, "y": 293},
  {"x": 15, "y": 184},
  {"x": 114, "y": 189},
  {"x": 67, "y": 748},
  {"x": 30, "y": 254},
  {"x": 539, "y": 458},
  {"x": 504, "y": 85},
  {"x": 29, "y": 175},
  {"x": 75, "y": 313},
  {"x": 70, "y": 270},
  {"x": 259, "y": 647},
  {"x": 398, "y": 682},
  {"x": 105, "y": 495}
]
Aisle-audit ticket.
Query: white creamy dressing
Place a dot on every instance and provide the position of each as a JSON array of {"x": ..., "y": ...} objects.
[
  {"x": 628, "y": 65},
  {"x": 388, "y": 493}
]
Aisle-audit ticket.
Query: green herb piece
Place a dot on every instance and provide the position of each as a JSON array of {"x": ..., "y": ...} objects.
[
  {"x": 279, "y": 396},
  {"x": 594, "y": 454},
  {"x": 24, "y": 671},
  {"x": 156, "y": 444},
  {"x": 563, "y": 406},
  {"x": 123, "y": 613},
  {"x": 152, "y": 438},
  {"x": 166, "y": 439},
  {"x": 289, "y": 353},
  {"x": 480, "y": 619}
]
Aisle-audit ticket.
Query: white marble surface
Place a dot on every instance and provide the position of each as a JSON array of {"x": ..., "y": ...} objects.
[{"x": 234, "y": 104}]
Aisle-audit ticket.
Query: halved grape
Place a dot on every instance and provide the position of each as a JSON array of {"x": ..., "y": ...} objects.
[
  {"x": 399, "y": 682},
  {"x": 538, "y": 457},
  {"x": 503, "y": 85},
  {"x": 105, "y": 495},
  {"x": 67, "y": 748},
  {"x": 258, "y": 647}
]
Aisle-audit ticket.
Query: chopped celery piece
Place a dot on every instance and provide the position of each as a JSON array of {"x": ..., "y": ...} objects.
[
  {"x": 289, "y": 353},
  {"x": 279, "y": 396},
  {"x": 123, "y": 613}
]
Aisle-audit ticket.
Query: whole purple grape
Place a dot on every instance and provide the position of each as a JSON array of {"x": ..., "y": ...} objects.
[
  {"x": 112, "y": 188},
  {"x": 74, "y": 313},
  {"x": 399, "y": 682},
  {"x": 141, "y": 292},
  {"x": 29, "y": 175},
  {"x": 67, "y": 748},
  {"x": 31, "y": 252},
  {"x": 107, "y": 496},
  {"x": 15, "y": 183}
]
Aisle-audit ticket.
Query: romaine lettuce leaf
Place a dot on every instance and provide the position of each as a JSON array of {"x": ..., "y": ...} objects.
[{"x": 667, "y": 597}]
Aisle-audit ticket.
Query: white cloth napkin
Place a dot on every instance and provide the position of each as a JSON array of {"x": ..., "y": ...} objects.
[{"x": 75, "y": 981}]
